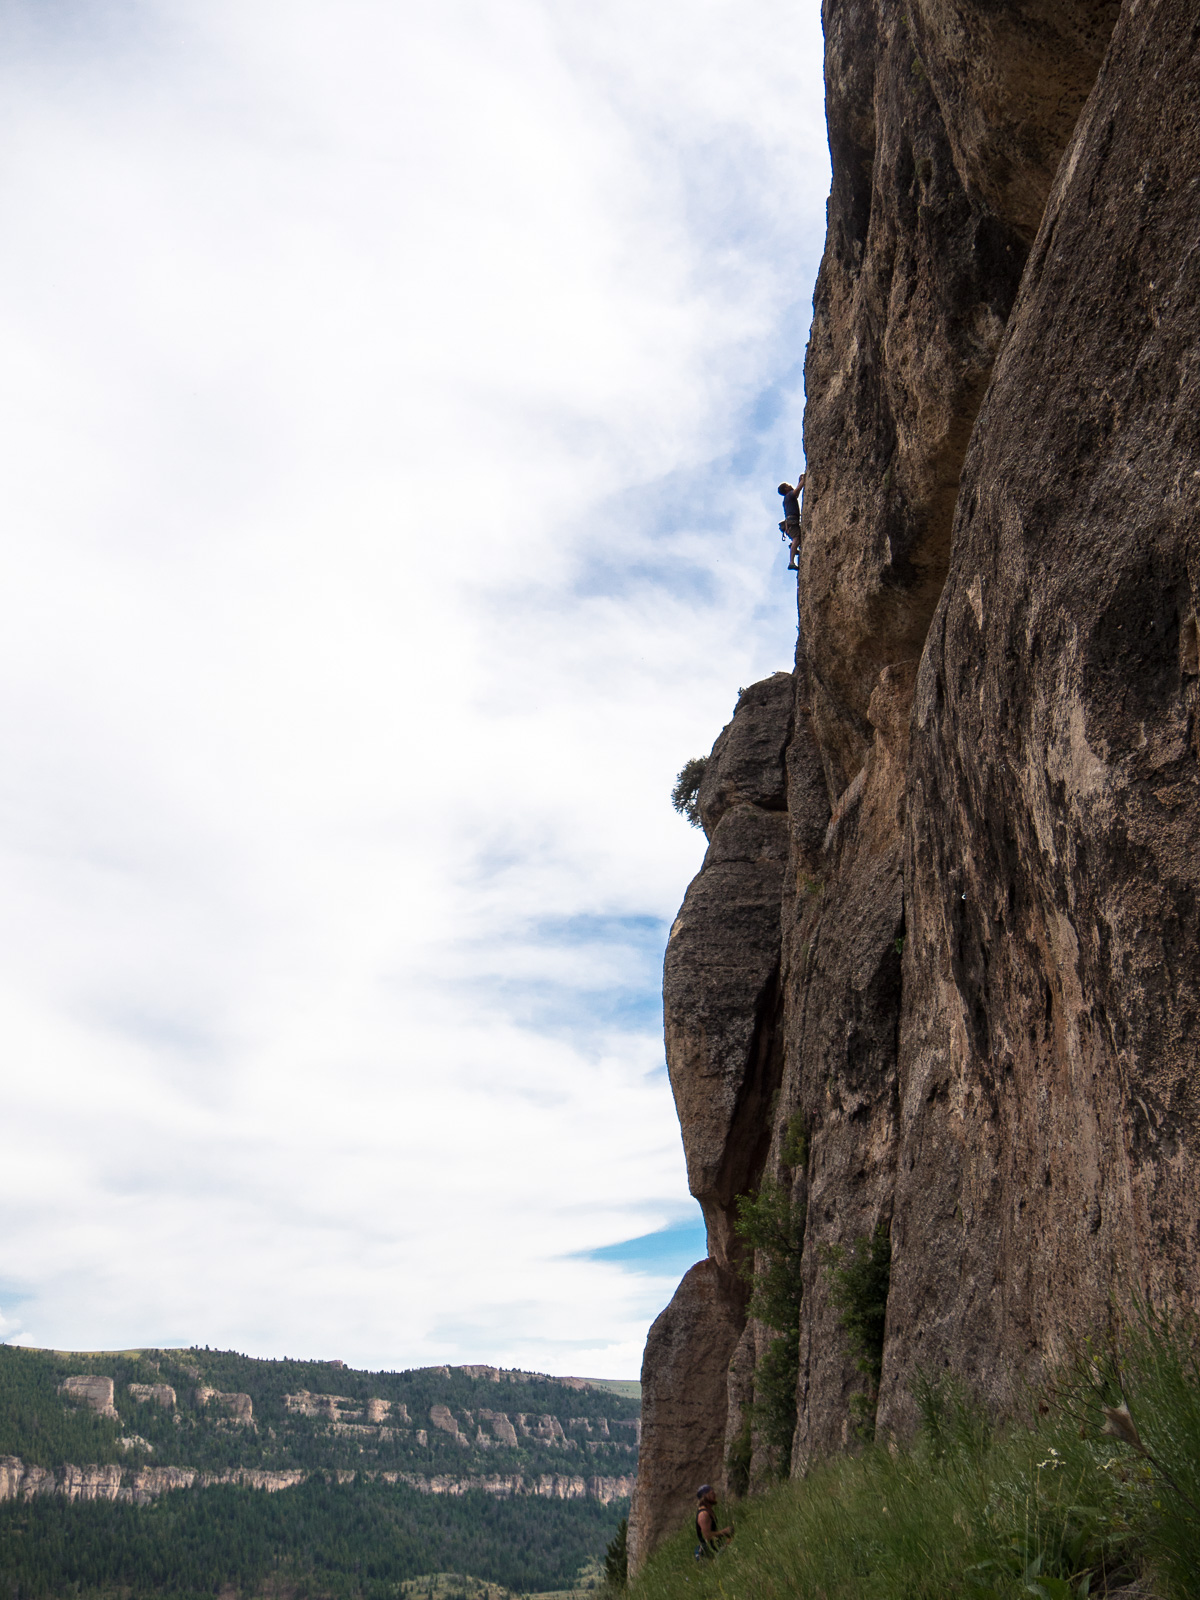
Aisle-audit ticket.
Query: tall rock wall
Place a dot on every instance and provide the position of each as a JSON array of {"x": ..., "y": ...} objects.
[
  {"x": 1051, "y": 978},
  {"x": 938, "y": 978}
]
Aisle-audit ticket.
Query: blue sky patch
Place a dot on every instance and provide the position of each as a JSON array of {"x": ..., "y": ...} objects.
[{"x": 667, "y": 1253}]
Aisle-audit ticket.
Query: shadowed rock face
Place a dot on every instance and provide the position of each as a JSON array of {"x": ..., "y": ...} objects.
[
  {"x": 1048, "y": 1084},
  {"x": 946, "y": 123},
  {"x": 843, "y": 996},
  {"x": 763, "y": 805},
  {"x": 978, "y": 988},
  {"x": 721, "y": 973},
  {"x": 683, "y": 1409},
  {"x": 1009, "y": 82}
]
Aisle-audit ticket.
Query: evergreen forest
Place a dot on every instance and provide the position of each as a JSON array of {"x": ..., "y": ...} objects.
[
  {"x": 323, "y": 1540},
  {"x": 349, "y": 1530}
]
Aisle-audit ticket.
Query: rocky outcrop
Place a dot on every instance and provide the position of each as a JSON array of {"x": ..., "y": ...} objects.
[
  {"x": 136, "y": 1485},
  {"x": 95, "y": 1393},
  {"x": 841, "y": 1043},
  {"x": 546, "y": 1486},
  {"x": 684, "y": 1402},
  {"x": 442, "y": 1417},
  {"x": 238, "y": 1407},
  {"x": 515, "y": 1375},
  {"x": 964, "y": 1025},
  {"x": 502, "y": 1429},
  {"x": 721, "y": 975},
  {"x": 946, "y": 124},
  {"x": 140, "y": 1485},
  {"x": 341, "y": 1408},
  {"x": 547, "y": 1429},
  {"x": 159, "y": 1394}
]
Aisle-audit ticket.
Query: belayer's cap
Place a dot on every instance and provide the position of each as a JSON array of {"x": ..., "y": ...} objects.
[{"x": 705, "y": 1488}]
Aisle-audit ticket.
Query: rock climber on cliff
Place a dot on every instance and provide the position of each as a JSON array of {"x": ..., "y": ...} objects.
[
  {"x": 706, "y": 1524},
  {"x": 790, "y": 526}
]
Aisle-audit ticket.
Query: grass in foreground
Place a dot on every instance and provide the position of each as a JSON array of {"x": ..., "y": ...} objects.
[{"x": 1067, "y": 1508}]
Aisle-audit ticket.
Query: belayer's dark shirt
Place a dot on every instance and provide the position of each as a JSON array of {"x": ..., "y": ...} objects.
[{"x": 705, "y": 1547}]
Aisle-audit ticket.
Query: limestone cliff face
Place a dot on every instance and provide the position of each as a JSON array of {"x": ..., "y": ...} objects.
[
  {"x": 19, "y": 1480},
  {"x": 95, "y": 1393},
  {"x": 238, "y": 1407},
  {"x": 949, "y": 933},
  {"x": 160, "y": 1394}
]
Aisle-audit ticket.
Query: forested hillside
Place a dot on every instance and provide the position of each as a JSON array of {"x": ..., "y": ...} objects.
[
  {"x": 351, "y": 1541},
  {"x": 214, "y": 1410},
  {"x": 145, "y": 1473}
]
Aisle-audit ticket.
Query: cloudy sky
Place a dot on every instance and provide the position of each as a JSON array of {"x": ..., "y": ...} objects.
[{"x": 393, "y": 400}]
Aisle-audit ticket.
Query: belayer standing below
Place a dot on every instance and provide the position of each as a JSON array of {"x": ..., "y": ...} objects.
[
  {"x": 790, "y": 526},
  {"x": 706, "y": 1524}
]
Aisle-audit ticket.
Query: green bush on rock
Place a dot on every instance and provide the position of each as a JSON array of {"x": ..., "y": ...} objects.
[
  {"x": 858, "y": 1287},
  {"x": 772, "y": 1224},
  {"x": 685, "y": 794}
]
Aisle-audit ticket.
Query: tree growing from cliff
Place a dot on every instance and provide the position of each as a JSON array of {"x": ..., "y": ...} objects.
[{"x": 684, "y": 795}]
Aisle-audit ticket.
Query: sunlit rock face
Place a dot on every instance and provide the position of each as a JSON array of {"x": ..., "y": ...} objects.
[
  {"x": 967, "y": 1019},
  {"x": 239, "y": 1408},
  {"x": 159, "y": 1394},
  {"x": 95, "y": 1393}
]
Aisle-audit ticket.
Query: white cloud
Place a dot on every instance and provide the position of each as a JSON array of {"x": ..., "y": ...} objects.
[{"x": 394, "y": 401}]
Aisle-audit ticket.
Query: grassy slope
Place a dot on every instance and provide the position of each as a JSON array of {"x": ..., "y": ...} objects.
[
  {"x": 627, "y": 1388},
  {"x": 1058, "y": 1510},
  {"x": 895, "y": 1528}
]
